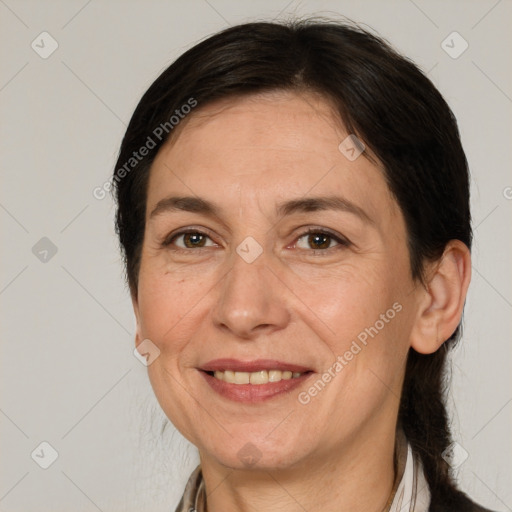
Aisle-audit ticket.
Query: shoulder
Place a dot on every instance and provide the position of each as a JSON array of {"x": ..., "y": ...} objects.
[{"x": 457, "y": 502}]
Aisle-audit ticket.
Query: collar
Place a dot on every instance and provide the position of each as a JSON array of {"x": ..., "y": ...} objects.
[{"x": 411, "y": 492}]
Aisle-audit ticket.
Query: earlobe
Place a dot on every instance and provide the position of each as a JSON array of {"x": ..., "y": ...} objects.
[
  {"x": 442, "y": 299},
  {"x": 135, "y": 305}
]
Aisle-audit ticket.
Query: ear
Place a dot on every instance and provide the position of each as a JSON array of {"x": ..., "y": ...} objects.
[
  {"x": 441, "y": 300},
  {"x": 135, "y": 304}
]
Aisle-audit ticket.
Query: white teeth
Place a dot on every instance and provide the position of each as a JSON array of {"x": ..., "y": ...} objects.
[
  {"x": 229, "y": 376},
  {"x": 274, "y": 375},
  {"x": 257, "y": 378},
  {"x": 242, "y": 377}
]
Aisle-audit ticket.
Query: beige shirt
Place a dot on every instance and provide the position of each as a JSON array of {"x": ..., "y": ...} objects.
[{"x": 410, "y": 492}]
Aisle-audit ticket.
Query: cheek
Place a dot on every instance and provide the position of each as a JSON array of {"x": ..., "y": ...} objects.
[
  {"x": 346, "y": 300},
  {"x": 166, "y": 301},
  {"x": 365, "y": 311},
  {"x": 168, "y": 318}
]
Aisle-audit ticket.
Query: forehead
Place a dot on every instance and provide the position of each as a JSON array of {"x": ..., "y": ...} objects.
[
  {"x": 264, "y": 148},
  {"x": 275, "y": 121}
]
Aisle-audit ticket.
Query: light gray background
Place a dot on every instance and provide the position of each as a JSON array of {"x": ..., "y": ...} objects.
[{"x": 68, "y": 374}]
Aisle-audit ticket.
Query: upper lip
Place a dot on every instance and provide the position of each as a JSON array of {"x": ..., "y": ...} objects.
[{"x": 255, "y": 365}]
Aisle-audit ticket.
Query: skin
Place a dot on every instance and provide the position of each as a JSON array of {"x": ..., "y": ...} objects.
[{"x": 295, "y": 303}]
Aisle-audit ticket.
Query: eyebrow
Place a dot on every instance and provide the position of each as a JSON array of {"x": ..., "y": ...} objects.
[
  {"x": 313, "y": 204},
  {"x": 185, "y": 204},
  {"x": 302, "y": 205}
]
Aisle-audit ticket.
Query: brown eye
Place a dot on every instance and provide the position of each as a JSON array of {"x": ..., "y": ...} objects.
[
  {"x": 318, "y": 240},
  {"x": 190, "y": 240}
]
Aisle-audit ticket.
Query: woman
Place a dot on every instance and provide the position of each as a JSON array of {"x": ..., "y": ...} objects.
[{"x": 293, "y": 208}]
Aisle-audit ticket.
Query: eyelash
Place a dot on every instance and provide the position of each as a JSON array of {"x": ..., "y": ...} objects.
[{"x": 342, "y": 242}]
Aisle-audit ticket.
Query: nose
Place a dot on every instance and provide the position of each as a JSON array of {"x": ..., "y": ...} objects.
[{"x": 251, "y": 300}]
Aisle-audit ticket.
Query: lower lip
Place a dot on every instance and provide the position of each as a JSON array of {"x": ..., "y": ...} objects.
[{"x": 252, "y": 393}]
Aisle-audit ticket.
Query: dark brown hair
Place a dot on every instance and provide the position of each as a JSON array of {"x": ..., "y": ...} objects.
[{"x": 381, "y": 97}]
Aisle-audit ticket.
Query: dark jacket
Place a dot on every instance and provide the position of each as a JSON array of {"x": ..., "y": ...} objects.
[{"x": 455, "y": 502}]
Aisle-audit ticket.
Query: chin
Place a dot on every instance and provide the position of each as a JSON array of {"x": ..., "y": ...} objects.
[{"x": 250, "y": 453}]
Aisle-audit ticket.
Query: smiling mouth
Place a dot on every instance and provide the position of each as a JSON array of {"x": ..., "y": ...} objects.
[
  {"x": 253, "y": 381},
  {"x": 257, "y": 378}
]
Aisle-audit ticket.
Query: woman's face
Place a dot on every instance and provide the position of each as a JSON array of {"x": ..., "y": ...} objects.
[{"x": 288, "y": 254}]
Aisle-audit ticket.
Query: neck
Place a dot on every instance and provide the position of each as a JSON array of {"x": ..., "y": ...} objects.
[{"x": 356, "y": 478}]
